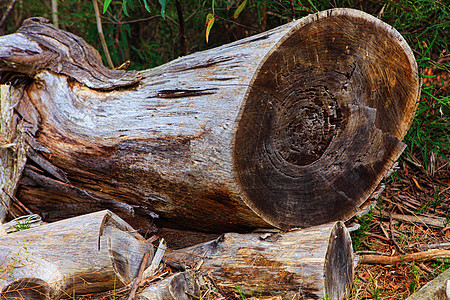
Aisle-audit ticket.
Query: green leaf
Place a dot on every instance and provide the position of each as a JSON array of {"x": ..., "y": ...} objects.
[
  {"x": 209, "y": 23},
  {"x": 239, "y": 9},
  {"x": 124, "y": 8},
  {"x": 106, "y": 5},
  {"x": 163, "y": 7},
  {"x": 146, "y": 6}
]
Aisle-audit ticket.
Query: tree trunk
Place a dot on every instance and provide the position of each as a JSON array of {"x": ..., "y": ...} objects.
[
  {"x": 292, "y": 127},
  {"x": 313, "y": 263},
  {"x": 85, "y": 254}
]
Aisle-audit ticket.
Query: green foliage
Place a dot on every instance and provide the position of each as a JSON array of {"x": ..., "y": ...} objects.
[
  {"x": 441, "y": 263},
  {"x": 240, "y": 292},
  {"x": 415, "y": 273},
  {"x": 359, "y": 236},
  {"x": 23, "y": 225},
  {"x": 430, "y": 204},
  {"x": 425, "y": 25}
]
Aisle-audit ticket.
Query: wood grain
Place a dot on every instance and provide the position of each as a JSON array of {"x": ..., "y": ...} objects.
[
  {"x": 85, "y": 254},
  {"x": 293, "y": 127},
  {"x": 311, "y": 263}
]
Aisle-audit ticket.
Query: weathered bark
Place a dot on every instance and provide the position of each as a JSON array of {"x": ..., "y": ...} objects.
[
  {"x": 181, "y": 286},
  {"x": 85, "y": 254},
  {"x": 12, "y": 146},
  {"x": 292, "y": 127},
  {"x": 312, "y": 263}
]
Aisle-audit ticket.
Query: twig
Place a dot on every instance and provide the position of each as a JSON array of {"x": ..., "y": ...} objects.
[
  {"x": 20, "y": 204},
  {"x": 138, "y": 279},
  {"x": 377, "y": 236},
  {"x": 409, "y": 257},
  {"x": 238, "y": 24},
  {"x": 392, "y": 236},
  {"x": 156, "y": 260},
  {"x": 10, "y": 7},
  {"x": 181, "y": 30},
  {"x": 435, "y": 246},
  {"x": 55, "y": 13},
  {"x": 100, "y": 33},
  {"x": 427, "y": 221}
]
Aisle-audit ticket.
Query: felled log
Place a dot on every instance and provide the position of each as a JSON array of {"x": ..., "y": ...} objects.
[
  {"x": 85, "y": 254},
  {"x": 314, "y": 263},
  {"x": 291, "y": 127}
]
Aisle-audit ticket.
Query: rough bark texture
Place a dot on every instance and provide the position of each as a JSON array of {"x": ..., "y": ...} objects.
[
  {"x": 292, "y": 127},
  {"x": 85, "y": 254},
  {"x": 12, "y": 147},
  {"x": 311, "y": 263}
]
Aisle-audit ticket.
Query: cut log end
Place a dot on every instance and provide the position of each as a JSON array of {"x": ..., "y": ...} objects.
[
  {"x": 339, "y": 267},
  {"x": 323, "y": 118}
]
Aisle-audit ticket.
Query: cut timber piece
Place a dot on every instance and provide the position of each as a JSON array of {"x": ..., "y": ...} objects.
[
  {"x": 85, "y": 254},
  {"x": 181, "y": 286},
  {"x": 313, "y": 263},
  {"x": 293, "y": 127}
]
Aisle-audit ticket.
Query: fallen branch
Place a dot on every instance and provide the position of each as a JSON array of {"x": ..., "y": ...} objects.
[
  {"x": 138, "y": 279},
  {"x": 436, "y": 222},
  {"x": 156, "y": 260},
  {"x": 391, "y": 260}
]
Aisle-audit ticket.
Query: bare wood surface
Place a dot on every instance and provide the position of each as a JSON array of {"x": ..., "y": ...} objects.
[
  {"x": 2, "y": 230},
  {"x": 310, "y": 263},
  {"x": 292, "y": 127},
  {"x": 408, "y": 257},
  {"x": 437, "y": 222},
  {"x": 181, "y": 286},
  {"x": 85, "y": 254},
  {"x": 156, "y": 260}
]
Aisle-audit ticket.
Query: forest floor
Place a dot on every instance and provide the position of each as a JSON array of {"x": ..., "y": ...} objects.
[{"x": 411, "y": 216}]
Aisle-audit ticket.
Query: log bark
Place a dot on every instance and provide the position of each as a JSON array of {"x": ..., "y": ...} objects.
[
  {"x": 85, "y": 254},
  {"x": 289, "y": 128},
  {"x": 312, "y": 263}
]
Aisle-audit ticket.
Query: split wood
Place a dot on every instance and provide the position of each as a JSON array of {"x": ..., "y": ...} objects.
[{"x": 156, "y": 260}]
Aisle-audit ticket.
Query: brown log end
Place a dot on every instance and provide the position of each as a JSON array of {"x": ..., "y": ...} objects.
[{"x": 324, "y": 117}]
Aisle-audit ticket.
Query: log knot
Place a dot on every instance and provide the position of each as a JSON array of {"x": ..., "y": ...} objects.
[{"x": 38, "y": 45}]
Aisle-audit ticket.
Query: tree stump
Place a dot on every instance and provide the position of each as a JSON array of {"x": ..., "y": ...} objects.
[{"x": 292, "y": 127}]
